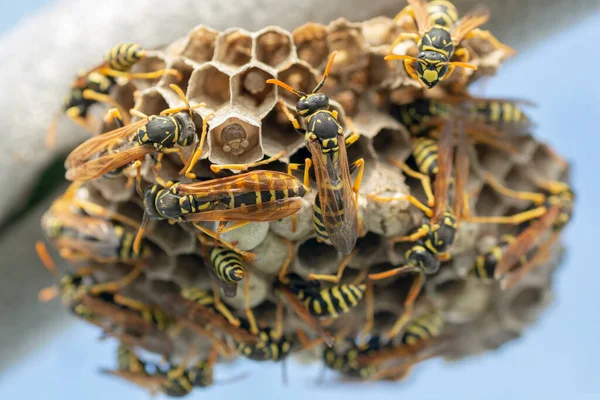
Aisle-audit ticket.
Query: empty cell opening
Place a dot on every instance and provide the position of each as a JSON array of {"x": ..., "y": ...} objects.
[
  {"x": 491, "y": 160},
  {"x": 201, "y": 45},
  {"x": 265, "y": 314},
  {"x": 234, "y": 48},
  {"x": 123, "y": 94},
  {"x": 234, "y": 137},
  {"x": 171, "y": 238},
  {"x": 251, "y": 90},
  {"x": 384, "y": 320},
  {"x": 547, "y": 164},
  {"x": 392, "y": 144},
  {"x": 191, "y": 270},
  {"x": 185, "y": 71},
  {"x": 361, "y": 149},
  {"x": 350, "y": 46},
  {"x": 517, "y": 179},
  {"x": 298, "y": 76},
  {"x": 273, "y": 48},
  {"x": 488, "y": 201},
  {"x": 348, "y": 99},
  {"x": 524, "y": 304},
  {"x": 209, "y": 85},
  {"x": 369, "y": 244},
  {"x": 278, "y": 135},
  {"x": 318, "y": 257},
  {"x": 450, "y": 287},
  {"x": 311, "y": 43},
  {"x": 151, "y": 103},
  {"x": 378, "y": 69},
  {"x": 148, "y": 64}
]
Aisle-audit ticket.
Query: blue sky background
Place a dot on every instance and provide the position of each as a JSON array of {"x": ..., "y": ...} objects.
[{"x": 556, "y": 359}]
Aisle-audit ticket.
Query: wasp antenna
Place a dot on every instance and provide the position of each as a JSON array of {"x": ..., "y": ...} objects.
[
  {"x": 42, "y": 252},
  {"x": 137, "y": 243},
  {"x": 182, "y": 96},
  {"x": 463, "y": 65},
  {"x": 326, "y": 73},
  {"x": 399, "y": 57},
  {"x": 286, "y": 87}
]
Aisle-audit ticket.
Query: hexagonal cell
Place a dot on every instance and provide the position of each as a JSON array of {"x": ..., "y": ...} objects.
[
  {"x": 210, "y": 84},
  {"x": 145, "y": 65},
  {"x": 186, "y": 72},
  {"x": 151, "y": 102},
  {"x": 488, "y": 201},
  {"x": 527, "y": 303},
  {"x": 492, "y": 160},
  {"x": 379, "y": 31},
  {"x": 367, "y": 246},
  {"x": 547, "y": 164},
  {"x": 378, "y": 70},
  {"x": 299, "y": 76},
  {"x": 317, "y": 257},
  {"x": 277, "y": 136},
  {"x": 392, "y": 144},
  {"x": 518, "y": 179},
  {"x": 234, "y": 138},
  {"x": 347, "y": 39},
  {"x": 171, "y": 238},
  {"x": 311, "y": 43},
  {"x": 348, "y": 99},
  {"x": 362, "y": 148},
  {"x": 161, "y": 268},
  {"x": 123, "y": 94},
  {"x": 234, "y": 48},
  {"x": 274, "y": 47},
  {"x": 272, "y": 253},
  {"x": 200, "y": 46},
  {"x": 250, "y": 90},
  {"x": 259, "y": 290}
]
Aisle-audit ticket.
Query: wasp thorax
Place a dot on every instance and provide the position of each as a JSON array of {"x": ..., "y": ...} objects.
[
  {"x": 188, "y": 129},
  {"x": 419, "y": 256},
  {"x": 234, "y": 139},
  {"x": 312, "y": 102},
  {"x": 150, "y": 196}
]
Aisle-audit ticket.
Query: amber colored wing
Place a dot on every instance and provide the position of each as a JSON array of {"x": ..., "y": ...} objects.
[
  {"x": 99, "y": 166},
  {"x": 470, "y": 21},
  {"x": 442, "y": 178},
  {"x": 263, "y": 212},
  {"x": 305, "y": 315},
  {"x": 462, "y": 169},
  {"x": 337, "y": 207},
  {"x": 118, "y": 315},
  {"x": 241, "y": 183},
  {"x": 421, "y": 15},
  {"x": 99, "y": 143},
  {"x": 526, "y": 241},
  {"x": 396, "y": 352}
]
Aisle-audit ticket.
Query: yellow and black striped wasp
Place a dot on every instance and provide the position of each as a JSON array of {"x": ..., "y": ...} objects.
[
  {"x": 539, "y": 227},
  {"x": 151, "y": 134},
  {"x": 435, "y": 236},
  {"x": 226, "y": 266},
  {"x": 249, "y": 197},
  {"x": 336, "y": 205},
  {"x": 311, "y": 301},
  {"x": 94, "y": 85},
  {"x": 439, "y": 33},
  {"x": 178, "y": 381}
]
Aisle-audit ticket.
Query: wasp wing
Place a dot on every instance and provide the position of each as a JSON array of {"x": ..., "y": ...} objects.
[
  {"x": 100, "y": 143},
  {"x": 99, "y": 166},
  {"x": 118, "y": 314},
  {"x": 526, "y": 241},
  {"x": 442, "y": 178},
  {"x": 462, "y": 170},
  {"x": 421, "y": 15},
  {"x": 263, "y": 212},
  {"x": 470, "y": 21}
]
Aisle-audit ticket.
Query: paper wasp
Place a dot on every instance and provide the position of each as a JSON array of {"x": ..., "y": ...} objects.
[
  {"x": 310, "y": 300},
  {"x": 435, "y": 236},
  {"x": 248, "y": 197},
  {"x": 548, "y": 214},
  {"x": 439, "y": 33},
  {"x": 337, "y": 200},
  {"x": 94, "y": 85},
  {"x": 155, "y": 134},
  {"x": 177, "y": 381}
]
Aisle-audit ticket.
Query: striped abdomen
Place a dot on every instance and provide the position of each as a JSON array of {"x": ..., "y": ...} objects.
[
  {"x": 318, "y": 224},
  {"x": 268, "y": 348},
  {"x": 425, "y": 153},
  {"x": 123, "y": 56},
  {"x": 235, "y": 200},
  {"x": 330, "y": 302},
  {"x": 440, "y": 237},
  {"x": 417, "y": 116},
  {"x": 227, "y": 264},
  {"x": 442, "y": 13},
  {"x": 498, "y": 113},
  {"x": 427, "y": 326},
  {"x": 124, "y": 251}
]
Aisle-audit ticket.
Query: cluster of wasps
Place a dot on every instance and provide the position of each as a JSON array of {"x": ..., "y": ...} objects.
[{"x": 92, "y": 237}]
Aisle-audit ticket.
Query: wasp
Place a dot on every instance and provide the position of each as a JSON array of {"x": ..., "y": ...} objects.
[
  {"x": 94, "y": 85},
  {"x": 440, "y": 32},
  {"x": 540, "y": 227},
  {"x": 337, "y": 199},
  {"x": 310, "y": 300},
  {"x": 177, "y": 381},
  {"x": 435, "y": 236},
  {"x": 252, "y": 196}
]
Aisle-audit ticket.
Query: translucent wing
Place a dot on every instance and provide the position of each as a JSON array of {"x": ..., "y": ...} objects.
[
  {"x": 118, "y": 314},
  {"x": 99, "y": 143},
  {"x": 421, "y": 15},
  {"x": 263, "y": 212},
  {"x": 526, "y": 241},
  {"x": 81, "y": 225},
  {"x": 442, "y": 178},
  {"x": 470, "y": 21},
  {"x": 241, "y": 183},
  {"x": 338, "y": 207},
  {"x": 99, "y": 166},
  {"x": 462, "y": 170}
]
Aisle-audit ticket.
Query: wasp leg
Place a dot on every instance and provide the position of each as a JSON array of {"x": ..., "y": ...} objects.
[
  {"x": 278, "y": 331},
  {"x": 137, "y": 243},
  {"x": 443, "y": 257},
  {"x": 391, "y": 272},
  {"x": 102, "y": 212},
  {"x": 244, "y": 167},
  {"x": 141, "y": 75},
  {"x": 248, "y": 310},
  {"x": 222, "y": 308},
  {"x": 180, "y": 109},
  {"x": 176, "y": 150},
  {"x": 487, "y": 35},
  {"x": 554, "y": 187},
  {"x": 245, "y": 254},
  {"x": 402, "y": 37},
  {"x": 425, "y": 180},
  {"x": 187, "y": 168},
  {"x": 536, "y": 198},
  {"x": 294, "y": 167},
  {"x": 335, "y": 278},
  {"x": 288, "y": 260},
  {"x": 88, "y": 123},
  {"x": 138, "y": 113},
  {"x": 103, "y": 98},
  {"x": 405, "y": 11},
  {"x": 406, "y": 316},
  {"x": 119, "y": 284},
  {"x": 223, "y": 229},
  {"x": 360, "y": 165},
  {"x": 515, "y": 219},
  {"x": 292, "y": 118},
  {"x": 370, "y": 312},
  {"x": 305, "y": 342},
  {"x": 479, "y": 137}
]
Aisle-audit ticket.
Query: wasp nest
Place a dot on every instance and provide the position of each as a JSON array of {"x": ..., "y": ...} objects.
[{"x": 227, "y": 71}]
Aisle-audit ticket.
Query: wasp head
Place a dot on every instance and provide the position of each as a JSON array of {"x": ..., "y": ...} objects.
[
  {"x": 418, "y": 256},
  {"x": 431, "y": 67},
  {"x": 188, "y": 129},
  {"x": 311, "y": 103}
]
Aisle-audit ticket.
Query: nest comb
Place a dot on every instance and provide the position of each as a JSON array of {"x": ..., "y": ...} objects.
[{"x": 227, "y": 70}]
